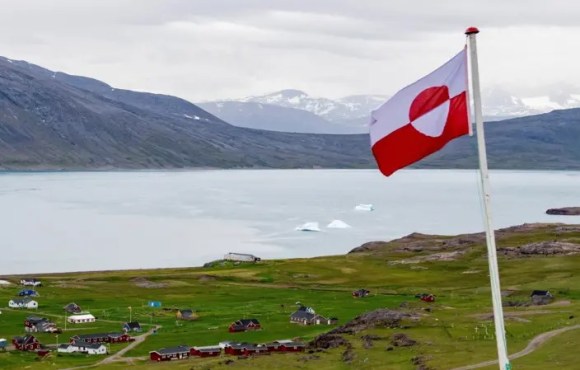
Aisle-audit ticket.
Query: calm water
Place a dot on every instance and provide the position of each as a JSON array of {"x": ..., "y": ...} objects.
[{"x": 112, "y": 220}]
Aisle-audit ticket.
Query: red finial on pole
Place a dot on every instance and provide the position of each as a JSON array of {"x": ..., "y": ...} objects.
[{"x": 471, "y": 30}]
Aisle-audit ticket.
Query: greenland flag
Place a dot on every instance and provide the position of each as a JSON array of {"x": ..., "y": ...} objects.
[{"x": 423, "y": 117}]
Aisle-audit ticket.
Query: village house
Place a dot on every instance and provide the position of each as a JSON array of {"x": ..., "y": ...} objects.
[
  {"x": 27, "y": 302},
  {"x": 72, "y": 308},
  {"x": 28, "y": 293},
  {"x": 186, "y": 314},
  {"x": 132, "y": 326},
  {"x": 307, "y": 316},
  {"x": 83, "y": 347},
  {"x": 30, "y": 282},
  {"x": 285, "y": 345},
  {"x": 172, "y": 353},
  {"x": 541, "y": 297},
  {"x": 361, "y": 293},
  {"x": 244, "y": 349},
  {"x": 244, "y": 325},
  {"x": 82, "y": 318},
  {"x": 207, "y": 351},
  {"x": 241, "y": 257},
  {"x": 26, "y": 343},
  {"x": 103, "y": 338},
  {"x": 34, "y": 324},
  {"x": 426, "y": 297}
]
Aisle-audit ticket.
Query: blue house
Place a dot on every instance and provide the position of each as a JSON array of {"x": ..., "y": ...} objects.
[
  {"x": 28, "y": 293},
  {"x": 3, "y": 344}
]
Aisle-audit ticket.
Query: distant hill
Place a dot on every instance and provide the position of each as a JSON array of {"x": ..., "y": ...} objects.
[
  {"x": 52, "y": 120},
  {"x": 302, "y": 112},
  {"x": 273, "y": 117}
]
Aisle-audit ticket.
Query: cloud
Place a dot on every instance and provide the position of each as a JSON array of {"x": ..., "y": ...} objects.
[{"x": 211, "y": 49}]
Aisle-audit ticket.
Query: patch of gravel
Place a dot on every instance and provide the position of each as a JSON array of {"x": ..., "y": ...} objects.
[{"x": 142, "y": 282}]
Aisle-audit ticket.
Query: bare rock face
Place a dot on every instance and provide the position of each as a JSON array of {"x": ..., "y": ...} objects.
[
  {"x": 402, "y": 340},
  {"x": 326, "y": 341},
  {"x": 381, "y": 318},
  {"x": 546, "y": 248},
  {"x": 566, "y": 211}
]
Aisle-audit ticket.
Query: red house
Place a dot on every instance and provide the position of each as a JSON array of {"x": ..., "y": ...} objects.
[
  {"x": 169, "y": 354},
  {"x": 26, "y": 343},
  {"x": 103, "y": 338},
  {"x": 244, "y": 349},
  {"x": 208, "y": 351},
  {"x": 287, "y": 346},
  {"x": 425, "y": 297},
  {"x": 244, "y": 325}
]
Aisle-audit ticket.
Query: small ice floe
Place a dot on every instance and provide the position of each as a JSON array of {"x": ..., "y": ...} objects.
[
  {"x": 338, "y": 224},
  {"x": 364, "y": 207},
  {"x": 309, "y": 226}
]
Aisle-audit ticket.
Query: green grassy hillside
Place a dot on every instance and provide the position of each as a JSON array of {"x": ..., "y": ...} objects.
[{"x": 455, "y": 330}]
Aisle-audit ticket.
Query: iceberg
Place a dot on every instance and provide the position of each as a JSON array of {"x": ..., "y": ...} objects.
[
  {"x": 309, "y": 226},
  {"x": 364, "y": 207},
  {"x": 338, "y": 224}
]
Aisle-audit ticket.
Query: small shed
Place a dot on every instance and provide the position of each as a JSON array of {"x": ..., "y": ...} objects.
[
  {"x": 154, "y": 304},
  {"x": 426, "y": 297},
  {"x": 3, "y": 344},
  {"x": 186, "y": 314},
  {"x": 361, "y": 293},
  {"x": 541, "y": 297},
  {"x": 73, "y": 308}
]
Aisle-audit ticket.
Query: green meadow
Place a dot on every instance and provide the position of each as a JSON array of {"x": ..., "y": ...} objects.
[{"x": 454, "y": 331}]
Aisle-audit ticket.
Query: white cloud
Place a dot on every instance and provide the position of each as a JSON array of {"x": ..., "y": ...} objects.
[{"x": 204, "y": 49}]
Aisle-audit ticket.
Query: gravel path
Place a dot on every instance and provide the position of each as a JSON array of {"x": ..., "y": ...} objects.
[{"x": 531, "y": 347}]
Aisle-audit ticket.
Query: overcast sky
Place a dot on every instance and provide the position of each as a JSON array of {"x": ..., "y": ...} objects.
[{"x": 216, "y": 49}]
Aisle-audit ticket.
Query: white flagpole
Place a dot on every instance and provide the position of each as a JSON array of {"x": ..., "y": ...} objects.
[{"x": 504, "y": 363}]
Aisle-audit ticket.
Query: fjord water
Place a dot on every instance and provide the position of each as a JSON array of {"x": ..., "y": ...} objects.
[{"x": 75, "y": 221}]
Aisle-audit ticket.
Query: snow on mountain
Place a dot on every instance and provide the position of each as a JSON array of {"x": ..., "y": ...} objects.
[
  {"x": 347, "y": 108},
  {"x": 500, "y": 104}
]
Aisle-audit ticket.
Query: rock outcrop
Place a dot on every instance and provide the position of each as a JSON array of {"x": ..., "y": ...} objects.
[{"x": 566, "y": 211}]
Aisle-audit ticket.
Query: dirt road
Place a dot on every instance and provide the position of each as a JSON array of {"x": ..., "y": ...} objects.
[{"x": 531, "y": 347}]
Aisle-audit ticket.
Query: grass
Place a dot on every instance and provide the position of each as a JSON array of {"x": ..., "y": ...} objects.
[{"x": 456, "y": 330}]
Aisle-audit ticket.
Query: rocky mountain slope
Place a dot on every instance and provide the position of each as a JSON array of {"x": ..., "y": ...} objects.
[
  {"x": 54, "y": 120},
  {"x": 51, "y": 120}
]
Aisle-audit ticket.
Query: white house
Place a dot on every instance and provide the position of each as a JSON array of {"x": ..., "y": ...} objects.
[
  {"x": 241, "y": 257},
  {"x": 23, "y": 303},
  {"x": 81, "y": 318},
  {"x": 31, "y": 282},
  {"x": 83, "y": 347}
]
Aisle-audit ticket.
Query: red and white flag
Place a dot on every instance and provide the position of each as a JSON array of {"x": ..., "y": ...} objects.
[{"x": 421, "y": 118}]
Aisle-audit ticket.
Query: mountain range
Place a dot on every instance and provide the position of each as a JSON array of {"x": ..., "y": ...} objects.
[
  {"x": 296, "y": 111},
  {"x": 53, "y": 120}
]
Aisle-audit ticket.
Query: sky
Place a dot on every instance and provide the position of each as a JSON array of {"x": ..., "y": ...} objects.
[{"x": 205, "y": 50}]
